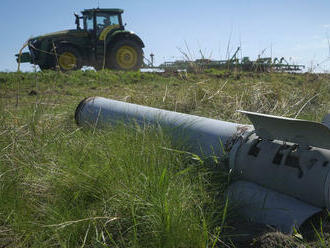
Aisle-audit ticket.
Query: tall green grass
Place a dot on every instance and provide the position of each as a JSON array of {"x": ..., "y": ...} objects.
[
  {"x": 63, "y": 186},
  {"x": 122, "y": 187}
]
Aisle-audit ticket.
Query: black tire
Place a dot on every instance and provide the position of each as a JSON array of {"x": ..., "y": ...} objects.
[
  {"x": 68, "y": 58},
  {"x": 47, "y": 66},
  {"x": 125, "y": 55}
]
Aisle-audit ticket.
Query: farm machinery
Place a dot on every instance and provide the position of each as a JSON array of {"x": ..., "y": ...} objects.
[
  {"x": 102, "y": 42},
  {"x": 266, "y": 64}
]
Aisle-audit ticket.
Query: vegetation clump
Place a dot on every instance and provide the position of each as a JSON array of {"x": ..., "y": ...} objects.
[{"x": 65, "y": 186}]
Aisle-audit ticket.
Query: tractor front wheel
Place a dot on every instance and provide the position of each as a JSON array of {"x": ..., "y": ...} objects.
[
  {"x": 46, "y": 66},
  {"x": 68, "y": 58},
  {"x": 125, "y": 55}
]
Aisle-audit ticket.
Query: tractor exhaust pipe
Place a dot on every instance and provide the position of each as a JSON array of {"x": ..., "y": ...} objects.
[{"x": 281, "y": 165}]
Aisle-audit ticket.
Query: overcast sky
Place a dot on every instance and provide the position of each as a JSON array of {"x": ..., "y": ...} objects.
[{"x": 296, "y": 29}]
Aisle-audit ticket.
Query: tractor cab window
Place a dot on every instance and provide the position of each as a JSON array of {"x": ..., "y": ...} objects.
[
  {"x": 89, "y": 23},
  {"x": 103, "y": 20},
  {"x": 114, "y": 20}
]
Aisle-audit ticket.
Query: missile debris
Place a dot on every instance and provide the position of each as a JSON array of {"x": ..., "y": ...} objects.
[
  {"x": 202, "y": 133},
  {"x": 280, "y": 166}
]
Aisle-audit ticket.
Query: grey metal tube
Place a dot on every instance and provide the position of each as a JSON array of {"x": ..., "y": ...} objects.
[
  {"x": 263, "y": 205},
  {"x": 206, "y": 137}
]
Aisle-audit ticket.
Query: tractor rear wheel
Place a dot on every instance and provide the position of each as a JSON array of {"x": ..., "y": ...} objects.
[
  {"x": 68, "y": 58},
  {"x": 125, "y": 55}
]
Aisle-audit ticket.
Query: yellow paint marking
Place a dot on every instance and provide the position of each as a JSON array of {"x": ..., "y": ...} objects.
[{"x": 106, "y": 30}]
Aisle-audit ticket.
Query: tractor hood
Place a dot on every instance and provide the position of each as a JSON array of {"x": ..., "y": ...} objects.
[{"x": 63, "y": 33}]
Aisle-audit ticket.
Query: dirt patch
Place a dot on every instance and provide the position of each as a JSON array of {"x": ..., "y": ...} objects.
[
  {"x": 275, "y": 240},
  {"x": 33, "y": 93},
  {"x": 242, "y": 233},
  {"x": 249, "y": 234},
  {"x": 315, "y": 232}
]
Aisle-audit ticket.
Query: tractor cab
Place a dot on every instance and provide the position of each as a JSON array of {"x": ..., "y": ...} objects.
[{"x": 100, "y": 22}]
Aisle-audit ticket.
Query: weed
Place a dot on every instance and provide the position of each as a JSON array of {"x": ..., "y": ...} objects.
[{"x": 64, "y": 186}]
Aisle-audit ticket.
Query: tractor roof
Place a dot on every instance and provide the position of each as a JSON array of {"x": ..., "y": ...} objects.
[{"x": 118, "y": 11}]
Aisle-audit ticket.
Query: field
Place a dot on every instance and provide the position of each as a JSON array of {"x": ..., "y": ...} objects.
[{"x": 65, "y": 186}]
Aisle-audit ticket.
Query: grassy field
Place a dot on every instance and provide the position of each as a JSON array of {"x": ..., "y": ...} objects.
[{"x": 63, "y": 186}]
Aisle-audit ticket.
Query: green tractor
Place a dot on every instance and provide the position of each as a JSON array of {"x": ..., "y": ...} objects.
[{"x": 102, "y": 42}]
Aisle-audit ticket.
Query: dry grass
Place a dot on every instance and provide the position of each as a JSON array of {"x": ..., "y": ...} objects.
[{"x": 66, "y": 187}]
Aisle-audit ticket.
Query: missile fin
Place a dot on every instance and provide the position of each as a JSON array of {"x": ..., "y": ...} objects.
[{"x": 302, "y": 132}]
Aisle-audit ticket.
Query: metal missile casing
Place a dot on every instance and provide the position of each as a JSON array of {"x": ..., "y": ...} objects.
[
  {"x": 302, "y": 172},
  {"x": 202, "y": 135},
  {"x": 281, "y": 165},
  {"x": 290, "y": 165},
  {"x": 263, "y": 205}
]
